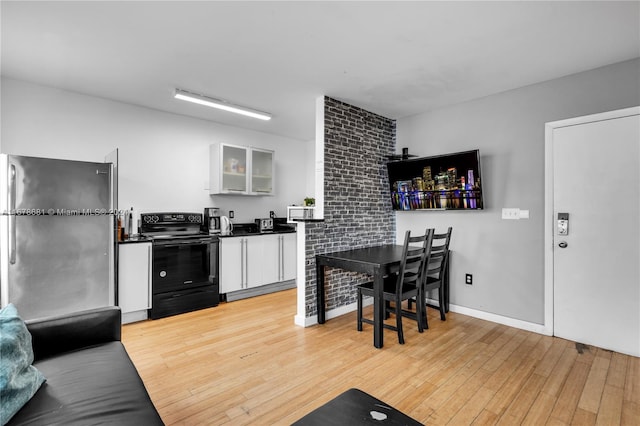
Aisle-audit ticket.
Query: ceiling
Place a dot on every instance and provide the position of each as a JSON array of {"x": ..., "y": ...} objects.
[{"x": 392, "y": 58}]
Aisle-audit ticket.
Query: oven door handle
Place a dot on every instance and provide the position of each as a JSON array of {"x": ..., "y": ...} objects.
[
  {"x": 170, "y": 245},
  {"x": 183, "y": 243}
]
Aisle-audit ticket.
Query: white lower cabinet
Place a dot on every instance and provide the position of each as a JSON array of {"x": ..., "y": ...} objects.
[
  {"x": 134, "y": 280},
  {"x": 232, "y": 264},
  {"x": 270, "y": 259},
  {"x": 254, "y": 261},
  {"x": 288, "y": 257}
]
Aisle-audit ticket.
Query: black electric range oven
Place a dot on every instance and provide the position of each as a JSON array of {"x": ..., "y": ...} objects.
[{"x": 184, "y": 263}]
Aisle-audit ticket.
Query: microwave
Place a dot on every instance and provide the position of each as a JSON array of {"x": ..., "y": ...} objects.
[{"x": 299, "y": 213}]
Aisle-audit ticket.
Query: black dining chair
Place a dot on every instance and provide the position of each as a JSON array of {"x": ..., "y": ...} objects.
[
  {"x": 435, "y": 274},
  {"x": 404, "y": 285}
]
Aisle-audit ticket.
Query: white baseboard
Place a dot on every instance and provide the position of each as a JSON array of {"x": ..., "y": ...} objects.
[
  {"x": 260, "y": 290},
  {"x": 333, "y": 313},
  {"x": 499, "y": 319},
  {"x": 129, "y": 317}
]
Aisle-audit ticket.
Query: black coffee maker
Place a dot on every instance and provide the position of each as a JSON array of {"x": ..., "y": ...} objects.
[{"x": 211, "y": 223}]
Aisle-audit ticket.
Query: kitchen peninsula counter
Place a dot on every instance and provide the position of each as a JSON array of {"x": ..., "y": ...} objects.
[{"x": 250, "y": 229}]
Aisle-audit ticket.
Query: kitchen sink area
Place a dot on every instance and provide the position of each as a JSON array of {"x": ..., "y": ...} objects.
[{"x": 252, "y": 228}]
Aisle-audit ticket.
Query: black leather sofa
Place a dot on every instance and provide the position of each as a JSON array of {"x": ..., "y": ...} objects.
[{"x": 90, "y": 377}]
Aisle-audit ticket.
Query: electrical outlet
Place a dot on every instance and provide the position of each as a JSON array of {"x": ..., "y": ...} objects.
[
  {"x": 230, "y": 214},
  {"x": 272, "y": 214},
  {"x": 513, "y": 214},
  {"x": 468, "y": 279}
]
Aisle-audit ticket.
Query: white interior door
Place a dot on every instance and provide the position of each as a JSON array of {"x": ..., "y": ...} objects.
[{"x": 596, "y": 272}]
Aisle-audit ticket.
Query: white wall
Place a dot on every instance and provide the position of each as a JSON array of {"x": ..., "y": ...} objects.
[
  {"x": 506, "y": 257},
  {"x": 163, "y": 157},
  {"x": 310, "y": 172}
]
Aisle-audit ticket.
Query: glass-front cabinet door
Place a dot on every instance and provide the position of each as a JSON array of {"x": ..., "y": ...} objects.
[
  {"x": 228, "y": 169},
  {"x": 262, "y": 166}
]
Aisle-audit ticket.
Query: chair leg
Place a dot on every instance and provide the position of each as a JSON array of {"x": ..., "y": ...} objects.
[
  {"x": 399, "y": 322},
  {"x": 359, "y": 310},
  {"x": 419, "y": 313},
  {"x": 441, "y": 303},
  {"x": 425, "y": 310}
]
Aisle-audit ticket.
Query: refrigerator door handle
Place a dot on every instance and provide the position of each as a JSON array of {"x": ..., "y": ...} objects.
[{"x": 12, "y": 214}]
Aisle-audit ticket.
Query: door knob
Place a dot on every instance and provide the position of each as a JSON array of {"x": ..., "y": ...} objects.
[{"x": 563, "y": 244}]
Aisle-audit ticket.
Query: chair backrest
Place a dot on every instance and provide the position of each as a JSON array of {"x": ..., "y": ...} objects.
[
  {"x": 439, "y": 254},
  {"x": 414, "y": 257}
]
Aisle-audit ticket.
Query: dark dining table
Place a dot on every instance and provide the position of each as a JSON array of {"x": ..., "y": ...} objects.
[{"x": 378, "y": 262}]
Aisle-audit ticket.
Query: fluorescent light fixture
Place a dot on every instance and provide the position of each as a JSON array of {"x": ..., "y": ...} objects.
[{"x": 220, "y": 104}]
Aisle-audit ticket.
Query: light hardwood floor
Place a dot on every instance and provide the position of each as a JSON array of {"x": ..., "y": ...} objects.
[{"x": 245, "y": 362}]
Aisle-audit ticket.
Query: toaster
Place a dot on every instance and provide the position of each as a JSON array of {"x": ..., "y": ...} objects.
[{"x": 265, "y": 225}]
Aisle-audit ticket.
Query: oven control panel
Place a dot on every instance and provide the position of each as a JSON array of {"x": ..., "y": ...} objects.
[
  {"x": 176, "y": 218},
  {"x": 170, "y": 223}
]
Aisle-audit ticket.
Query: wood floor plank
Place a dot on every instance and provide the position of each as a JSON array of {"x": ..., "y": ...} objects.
[
  {"x": 617, "y": 370},
  {"x": 458, "y": 403},
  {"x": 630, "y": 413},
  {"x": 473, "y": 409},
  {"x": 569, "y": 396},
  {"x": 247, "y": 363},
  {"x": 610, "y": 412},
  {"x": 632, "y": 382},
  {"x": 485, "y": 418},
  {"x": 583, "y": 418},
  {"x": 521, "y": 404},
  {"x": 593, "y": 388},
  {"x": 560, "y": 371},
  {"x": 509, "y": 390},
  {"x": 550, "y": 359},
  {"x": 540, "y": 410}
]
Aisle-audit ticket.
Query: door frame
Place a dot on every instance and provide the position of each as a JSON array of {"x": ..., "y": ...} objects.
[{"x": 548, "y": 200}]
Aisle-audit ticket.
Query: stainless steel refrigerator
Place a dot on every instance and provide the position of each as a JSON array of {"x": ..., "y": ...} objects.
[{"x": 56, "y": 235}]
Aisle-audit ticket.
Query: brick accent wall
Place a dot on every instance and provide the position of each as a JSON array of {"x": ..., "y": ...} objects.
[{"x": 357, "y": 205}]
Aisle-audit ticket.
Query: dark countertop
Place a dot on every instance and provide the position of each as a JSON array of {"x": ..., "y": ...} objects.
[
  {"x": 135, "y": 239},
  {"x": 248, "y": 229},
  {"x": 244, "y": 233},
  {"x": 239, "y": 233},
  {"x": 239, "y": 230}
]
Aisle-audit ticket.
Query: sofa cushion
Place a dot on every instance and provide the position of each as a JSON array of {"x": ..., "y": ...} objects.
[
  {"x": 67, "y": 332},
  {"x": 19, "y": 380},
  {"x": 98, "y": 384}
]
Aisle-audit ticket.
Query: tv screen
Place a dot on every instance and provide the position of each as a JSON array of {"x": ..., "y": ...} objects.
[{"x": 443, "y": 182}]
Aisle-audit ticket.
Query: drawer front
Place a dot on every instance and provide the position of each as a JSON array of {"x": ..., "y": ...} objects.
[{"x": 178, "y": 302}]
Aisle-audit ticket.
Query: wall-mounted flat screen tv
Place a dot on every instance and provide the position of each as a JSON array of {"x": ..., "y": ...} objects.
[{"x": 443, "y": 182}]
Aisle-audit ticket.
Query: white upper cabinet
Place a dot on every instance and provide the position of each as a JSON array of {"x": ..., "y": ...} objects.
[{"x": 241, "y": 170}]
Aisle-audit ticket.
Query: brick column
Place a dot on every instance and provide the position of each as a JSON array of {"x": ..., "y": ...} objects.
[{"x": 357, "y": 205}]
